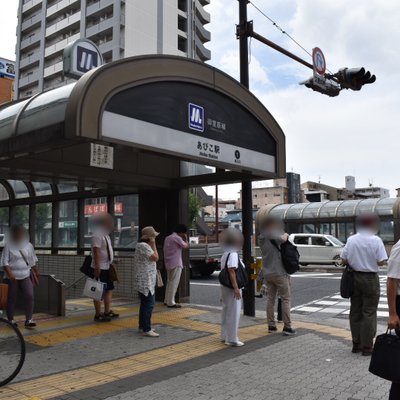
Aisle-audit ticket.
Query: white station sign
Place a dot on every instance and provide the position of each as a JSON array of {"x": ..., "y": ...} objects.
[{"x": 81, "y": 56}]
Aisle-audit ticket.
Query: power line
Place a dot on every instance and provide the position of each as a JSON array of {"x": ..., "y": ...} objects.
[{"x": 280, "y": 29}]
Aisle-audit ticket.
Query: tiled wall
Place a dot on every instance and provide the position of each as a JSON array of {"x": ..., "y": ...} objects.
[{"x": 66, "y": 268}]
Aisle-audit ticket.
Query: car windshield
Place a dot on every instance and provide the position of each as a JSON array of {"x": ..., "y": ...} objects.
[{"x": 335, "y": 241}]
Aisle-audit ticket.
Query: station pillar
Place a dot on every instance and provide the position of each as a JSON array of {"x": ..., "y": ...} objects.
[{"x": 165, "y": 209}]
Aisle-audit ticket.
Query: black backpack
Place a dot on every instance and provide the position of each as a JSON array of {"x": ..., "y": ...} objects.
[{"x": 290, "y": 256}]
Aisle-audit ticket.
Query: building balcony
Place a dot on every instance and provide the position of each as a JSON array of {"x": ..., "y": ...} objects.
[
  {"x": 100, "y": 5},
  {"x": 53, "y": 69},
  {"x": 100, "y": 27},
  {"x": 28, "y": 61},
  {"x": 201, "y": 32},
  {"x": 65, "y": 23},
  {"x": 28, "y": 79},
  {"x": 31, "y": 5},
  {"x": 31, "y": 22},
  {"x": 202, "y": 14},
  {"x": 59, "y": 46},
  {"x": 202, "y": 53},
  {"x": 61, "y": 6},
  {"x": 106, "y": 47},
  {"x": 29, "y": 42}
]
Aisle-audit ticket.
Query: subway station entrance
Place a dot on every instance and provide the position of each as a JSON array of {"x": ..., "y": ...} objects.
[{"x": 119, "y": 139}]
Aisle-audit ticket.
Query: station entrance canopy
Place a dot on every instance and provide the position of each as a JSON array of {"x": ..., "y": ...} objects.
[{"x": 150, "y": 113}]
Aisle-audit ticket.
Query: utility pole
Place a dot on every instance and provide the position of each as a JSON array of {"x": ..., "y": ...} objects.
[{"x": 247, "y": 196}]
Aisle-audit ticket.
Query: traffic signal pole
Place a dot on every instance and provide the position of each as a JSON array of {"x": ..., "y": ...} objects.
[{"x": 247, "y": 196}]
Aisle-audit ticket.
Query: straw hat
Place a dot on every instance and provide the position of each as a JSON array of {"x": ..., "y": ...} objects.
[{"x": 149, "y": 232}]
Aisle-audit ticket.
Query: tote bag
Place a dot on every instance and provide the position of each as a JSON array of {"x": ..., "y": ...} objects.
[
  {"x": 94, "y": 289},
  {"x": 241, "y": 275},
  {"x": 385, "y": 360}
]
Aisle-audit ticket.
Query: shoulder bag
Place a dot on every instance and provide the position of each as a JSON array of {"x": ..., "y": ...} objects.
[
  {"x": 86, "y": 267},
  {"x": 3, "y": 295},
  {"x": 241, "y": 275},
  {"x": 113, "y": 273},
  {"x": 33, "y": 277},
  {"x": 347, "y": 282}
]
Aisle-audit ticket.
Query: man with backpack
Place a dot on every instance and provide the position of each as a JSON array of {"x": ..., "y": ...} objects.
[{"x": 274, "y": 274}]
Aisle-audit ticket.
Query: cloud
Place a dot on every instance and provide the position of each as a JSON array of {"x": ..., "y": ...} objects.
[{"x": 353, "y": 134}]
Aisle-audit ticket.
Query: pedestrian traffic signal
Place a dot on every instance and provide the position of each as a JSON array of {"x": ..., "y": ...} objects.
[
  {"x": 322, "y": 85},
  {"x": 354, "y": 78}
]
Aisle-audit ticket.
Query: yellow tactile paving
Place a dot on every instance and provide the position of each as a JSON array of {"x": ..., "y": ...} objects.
[
  {"x": 83, "y": 378},
  {"x": 173, "y": 318}
]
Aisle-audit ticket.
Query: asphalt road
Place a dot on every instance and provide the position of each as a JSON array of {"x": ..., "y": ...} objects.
[{"x": 306, "y": 286}]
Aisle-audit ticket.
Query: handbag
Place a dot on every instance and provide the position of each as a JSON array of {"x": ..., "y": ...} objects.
[
  {"x": 3, "y": 295},
  {"x": 385, "y": 359},
  {"x": 159, "y": 279},
  {"x": 347, "y": 283},
  {"x": 241, "y": 275},
  {"x": 94, "y": 289},
  {"x": 113, "y": 273},
  {"x": 86, "y": 267}
]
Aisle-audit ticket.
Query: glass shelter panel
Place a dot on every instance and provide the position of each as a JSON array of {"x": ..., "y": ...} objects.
[
  {"x": 312, "y": 210},
  {"x": 43, "y": 226},
  {"x": 21, "y": 216},
  {"x": 93, "y": 207},
  {"x": 68, "y": 224},
  {"x": 126, "y": 223},
  {"x": 3, "y": 193},
  {"x": 19, "y": 188},
  {"x": 42, "y": 188},
  {"x": 4, "y": 218}
]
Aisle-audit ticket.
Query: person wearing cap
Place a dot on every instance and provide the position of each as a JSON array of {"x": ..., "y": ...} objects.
[
  {"x": 364, "y": 253},
  {"x": 231, "y": 298},
  {"x": 145, "y": 262},
  {"x": 103, "y": 256},
  {"x": 273, "y": 273},
  {"x": 173, "y": 246}
]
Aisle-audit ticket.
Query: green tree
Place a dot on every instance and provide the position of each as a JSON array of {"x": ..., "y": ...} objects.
[
  {"x": 194, "y": 207},
  {"x": 42, "y": 216}
]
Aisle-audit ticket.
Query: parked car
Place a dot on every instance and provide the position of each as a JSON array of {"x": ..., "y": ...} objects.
[{"x": 317, "y": 248}]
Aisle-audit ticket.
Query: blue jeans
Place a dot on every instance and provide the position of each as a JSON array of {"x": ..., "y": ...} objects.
[{"x": 145, "y": 311}]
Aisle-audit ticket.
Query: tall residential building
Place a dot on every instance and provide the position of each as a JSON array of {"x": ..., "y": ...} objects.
[{"x": 120, "y": 28}]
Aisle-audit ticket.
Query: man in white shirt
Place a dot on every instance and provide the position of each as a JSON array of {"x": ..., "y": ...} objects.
[
  {"x": 364, "y": 252},
  {"x": 393, "y": 296}
]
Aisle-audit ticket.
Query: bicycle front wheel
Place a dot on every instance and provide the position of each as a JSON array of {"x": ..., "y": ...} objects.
[{"x": 12, "y": 351}]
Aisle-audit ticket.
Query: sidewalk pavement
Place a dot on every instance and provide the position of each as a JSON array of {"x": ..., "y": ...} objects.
[{"x": 75, "y": 358}]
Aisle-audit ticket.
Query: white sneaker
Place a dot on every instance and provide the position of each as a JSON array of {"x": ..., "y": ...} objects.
[
  {"x": 151, "y": 334},
  {"x": 235, "y": 344}
]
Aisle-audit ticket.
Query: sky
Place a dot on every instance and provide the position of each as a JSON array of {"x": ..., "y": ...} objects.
[{"x": 326, "y": 138}]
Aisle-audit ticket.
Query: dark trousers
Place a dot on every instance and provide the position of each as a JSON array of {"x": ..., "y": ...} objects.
[
  {"x": 24, "y": 286},
  {"x": 363, "y": 309},
  {"x": 145, "y": 311},
  {"x": 395, "y": 389}
]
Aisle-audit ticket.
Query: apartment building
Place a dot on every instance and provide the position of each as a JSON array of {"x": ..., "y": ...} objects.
[{"x": 120, "y": 28}]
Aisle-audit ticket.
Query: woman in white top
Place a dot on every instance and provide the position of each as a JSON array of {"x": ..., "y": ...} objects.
[
  {"x": 19, "y": 261},
  {"x": 145, "y": 262},
  {"x": 232, "y": 240},
  {"x": 103, "y": 256}
]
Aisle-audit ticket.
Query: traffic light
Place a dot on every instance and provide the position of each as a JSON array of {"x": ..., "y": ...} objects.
[
  {"x": 354, "y": 78},
  {"x": 322, "y": 85}
]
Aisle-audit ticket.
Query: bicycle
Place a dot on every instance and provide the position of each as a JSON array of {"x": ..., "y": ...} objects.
[{"x": 12, "y": 351}]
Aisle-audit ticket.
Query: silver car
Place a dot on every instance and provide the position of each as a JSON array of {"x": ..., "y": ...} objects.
[{"x": 317, "y": 249}]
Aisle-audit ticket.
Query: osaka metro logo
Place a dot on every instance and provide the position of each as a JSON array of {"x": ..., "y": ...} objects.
[
  {"x": 86, "y": 60},
  {"x": 196, "y": 117}
]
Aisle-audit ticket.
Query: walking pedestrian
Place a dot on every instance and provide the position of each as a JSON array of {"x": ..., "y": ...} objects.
[
  {"x": 173, "y": 246},
  {"x": 103, "y": 256},
  {"x": 364, "y": 253},
  {"x": 19, "y": 262},
  {"x": 393, "y": 297},
  {"x": 145, "y": 262},
  {"x": 273, "y": 273},
  {"x": 232, "y": 240}
]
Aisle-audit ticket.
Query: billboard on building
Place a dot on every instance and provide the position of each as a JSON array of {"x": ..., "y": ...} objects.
[{"x": 7, "y": 68}]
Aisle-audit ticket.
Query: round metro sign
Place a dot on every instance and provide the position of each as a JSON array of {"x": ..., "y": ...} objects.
[{"x": 319, "y": 62}]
